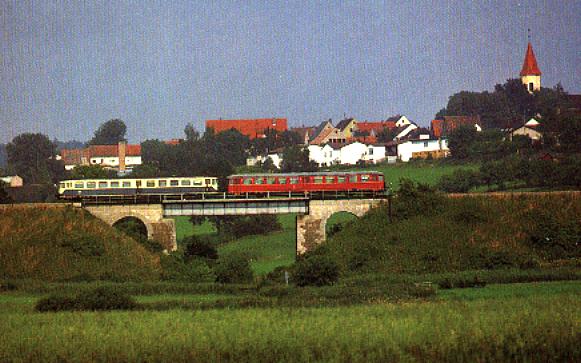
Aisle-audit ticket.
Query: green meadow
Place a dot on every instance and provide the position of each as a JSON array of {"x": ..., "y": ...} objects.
[{"x": 523, "y": 322}]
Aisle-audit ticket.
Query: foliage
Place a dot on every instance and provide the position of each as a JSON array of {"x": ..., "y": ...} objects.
[
  {"x": 296, "y": 159},
  {"x": 109, "y": 133},
  {"x": 135, "y": 229},
  {"x": 416, "y": 199},
  {"x": 92, "y": 172},
  {"x": 556, "y": 238},
  {"x": 274, "y": 140},
  {"x": 240, "y": 226},
  {"x": 233, "y": 268},
  {"x": 4, "y": 197},
  {"x": 32, "y": 157},
  {"x": 316, "y": 271},
  {"x": 196, "y": 247},
  {"x": 176, "y": 268},
  {"x": 460, "y": 283},
  {"x": 3, "y": 156},
  {"x": 460, "y": 181},
  {"x": 98, "y": 299}
]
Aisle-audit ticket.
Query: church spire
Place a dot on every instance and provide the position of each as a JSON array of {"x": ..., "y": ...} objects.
[{"x": 530, "y": 73}]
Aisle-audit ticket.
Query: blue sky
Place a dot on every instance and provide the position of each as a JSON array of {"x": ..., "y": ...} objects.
[{"x": 68, "y": 66}]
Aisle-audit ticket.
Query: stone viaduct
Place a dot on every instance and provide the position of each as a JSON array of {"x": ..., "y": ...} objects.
[{"x": 310, "y": 225}]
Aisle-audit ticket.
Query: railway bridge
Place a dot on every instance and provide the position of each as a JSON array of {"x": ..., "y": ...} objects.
[{"x": 312, "y": 214}]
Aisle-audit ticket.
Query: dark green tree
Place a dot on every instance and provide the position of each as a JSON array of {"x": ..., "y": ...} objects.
[
  {"x": 109, "y": 133},
  {"x": 460, "y": 141},
  {"x": 32, "y": 156},
  {"x": 296, "y": 159},
  {"x": 4, "y": 197},
  {"x": 91, "y": 172}
]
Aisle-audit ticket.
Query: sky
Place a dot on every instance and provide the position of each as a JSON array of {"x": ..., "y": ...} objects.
[{"x": 68, "y": 66}]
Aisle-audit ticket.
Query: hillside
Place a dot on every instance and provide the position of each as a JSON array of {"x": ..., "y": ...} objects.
[
  {"x": 454, "y": 234},
  {"x": 57, "y": 243}
]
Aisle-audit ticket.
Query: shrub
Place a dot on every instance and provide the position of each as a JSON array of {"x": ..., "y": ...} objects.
[
  {"x": 196, "y": 247},
  {"x": 103, "y": 298},
  {"x": 7, "y": 286},
  {"x": 316, "y": 271},
  {"x": 86, "y": 246},
  {"x": 556, "y": 238},
  {"x": 491, "y": 260},
  {"x": 460, "y": 181},
  {"x": 414, "y": 199},
  {"x": 56, "y": 303},
  {"x": 233, "y": 269},
  {"x": 461, "y": 282},
  {"x": 175, "y": 268}
]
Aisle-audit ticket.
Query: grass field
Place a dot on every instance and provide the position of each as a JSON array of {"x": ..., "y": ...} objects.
[{"x": 523, "y": 322}]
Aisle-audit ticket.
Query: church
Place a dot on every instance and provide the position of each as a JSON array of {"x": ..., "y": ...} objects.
[{"x": 530, "y": 74}]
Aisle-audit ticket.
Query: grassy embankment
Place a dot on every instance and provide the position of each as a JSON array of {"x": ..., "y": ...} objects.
[
  {"x": 56, "y": 243},
  {"x": 538, "y": 322}
]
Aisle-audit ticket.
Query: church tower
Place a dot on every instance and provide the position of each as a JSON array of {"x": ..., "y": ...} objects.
[{"x": 530, "y": 74}]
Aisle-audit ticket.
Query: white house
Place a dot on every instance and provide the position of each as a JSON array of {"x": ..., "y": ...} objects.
[
  {"x": 421, "y": 148},
  {"x": 407, "y": 128},
  {"x": 324, "y": 155},
  {"x": 348, "y": 154},
  {"x": 254, "y": 160}
]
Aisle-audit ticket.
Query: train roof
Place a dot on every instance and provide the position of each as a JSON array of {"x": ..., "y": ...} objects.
[
  {"x": 324, "y": 173},
  {"x": 130, "y": 179}
]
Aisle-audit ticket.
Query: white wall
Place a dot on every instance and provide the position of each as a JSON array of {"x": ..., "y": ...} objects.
[
  {"x": 323, "y": 156},
  {"x": 113, "y": 161},
  {"x": 405, "y": 150}
]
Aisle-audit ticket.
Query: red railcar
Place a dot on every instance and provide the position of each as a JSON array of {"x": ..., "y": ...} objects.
[{"x": 364, "y": 181}]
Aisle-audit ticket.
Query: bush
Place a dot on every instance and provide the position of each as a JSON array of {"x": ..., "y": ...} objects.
[
  {"x": 233, "y": 269},
  {"x": 175, "y": 268},
  {"x": 415, "y": 199},
  {"x": 85, "y": 246},
  {"x": 316, "y": 271},
  {"x": 556, "y": 238},
  {"x": 7, "y": 286},
  {"x": 101, "y": 298},
  {"x": 196, "y": 247},
  {"x": 461, "y": 282},
  {"x": 491, "y": 260},
  {"x": 460, "y": 181}
]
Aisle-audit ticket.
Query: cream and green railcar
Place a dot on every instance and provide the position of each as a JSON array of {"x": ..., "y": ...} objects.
[{"x": 72, "y": 189}]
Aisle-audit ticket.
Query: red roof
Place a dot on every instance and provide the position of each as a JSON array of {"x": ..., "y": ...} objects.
[
  {"x": 530, "y": 66},
  {"x": 252, "y": 128},
  {"x": 375, "y": 126},
  {"x": 442, "y": 127},
  {"x": 113, "y": 150}
]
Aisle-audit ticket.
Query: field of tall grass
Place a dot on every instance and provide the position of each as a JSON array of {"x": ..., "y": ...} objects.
[{"x": 523, "y": 322}]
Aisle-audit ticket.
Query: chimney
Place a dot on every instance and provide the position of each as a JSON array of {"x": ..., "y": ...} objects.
[{"x": 122, "y": 150}]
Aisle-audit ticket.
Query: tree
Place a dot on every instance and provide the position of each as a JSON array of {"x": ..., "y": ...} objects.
[
  {"x": 570, "y": 136},
  {"x": 296, "y": 159},
  {"x": 91, "y": 172},
  {"x": 4, "y": 197},
  {"x": 191, "y": 133},
  {"x": 109, "y": 133},
  {"x": 32, "y": 157},
  {"x": 460, "y": 140}
]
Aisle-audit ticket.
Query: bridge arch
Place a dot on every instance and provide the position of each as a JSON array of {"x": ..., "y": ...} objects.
[
  {"x": 337, "y": 220},
  {"x": 133, "y": 227},
  {"x": 311, "y": 227}
]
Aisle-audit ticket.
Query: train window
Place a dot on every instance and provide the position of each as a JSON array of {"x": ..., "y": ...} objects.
[
  {"x": 114, "y": 184},
  {"x": 380, "y": 177},
  {"x": 186, "y": 183},
  {"x": 150, "y": 183},
  {"x": 329, "y": 179},
  {"x": 294, "y": 180},
  {"x": 197, "y": 182},
  {"x": 91, "y": 185},
  {"x": 214, "y": 181},
  {"x": 208, "y": 182},
  {"x": 174, "y": 183},
  {"x": 126, "y": 184},
  {"x": 79, "y": 185},
  {"x": 364, "y": 178},
  {"x": 259, "y": 180},
  {"x": 270, "y": 180},
  {"x": 103, "y": 184},
  {"x": 163, "y": 183},
  {"x": 281, "y": 180},
  {"x": 62, "y": 185},
  {"x": 340, "y": 179},
  {"x": 247, "y": 181},
  {"x": 318, "y": 180}
]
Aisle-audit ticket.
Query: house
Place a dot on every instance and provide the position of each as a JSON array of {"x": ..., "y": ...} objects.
[
  {"x": 327, "y": 133},
  {"x": 13, "y": 181},
  {"x": 121, "y": 157},
  {"x": 346, "y": 153},
  {"x": 305, "y": 134},
  {"x": 324, "y": 155},
  {"x": 530, "y": 73},
  {"x": 253, "y": 128},
  {"x": 260, "y": 159},
  {"x": 443, "y": 126},
  {"x": 347, "y": 127},
  {"x": 421, "y": 144}
]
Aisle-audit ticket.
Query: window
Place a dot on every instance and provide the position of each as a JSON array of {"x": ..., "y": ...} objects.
[
  {"x": 318, "y": 180},
  {"x": 426, "y": 143},
  {"x": 79, "y": 185},
  {"x": 208, "y": 181},
  {"x": 259, "y": 180},
  {"x": 126, "y": 184},
  {"x": 531, "y": 87},
  {"x": 340, "y": 179},
  {"x": 186, "y": 183},
  {"x": 103, "y": 184},
  {"x": 163, "y": 183},
  {"x": 114, "y": 184},
  {"x": 294, "y": 180},
  {"x": 270, "y": 180},
  {"x": 174, "y": 183},
  {"x": 370, "y": 151},
  {"x": 247, "y": 181},
  {"x": 329, "y": 179},
  {"x": 91, "y": 185},
  {"x": 62, "y": 185},
  {"x": 150, "y": 183},
  {"x": 69, "y": 185},
  {"x": 281, "y": 180},
  {"x": 197, "y": 183},
  {"x": 380, "y": 177},
  {"x": 364, "y": 178}
]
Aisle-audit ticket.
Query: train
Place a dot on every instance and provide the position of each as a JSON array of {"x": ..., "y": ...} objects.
[
  {"x": 77, "y": 189},
  {"x": 239, "y": 184},
  {"x": 365, "y": 181}
]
